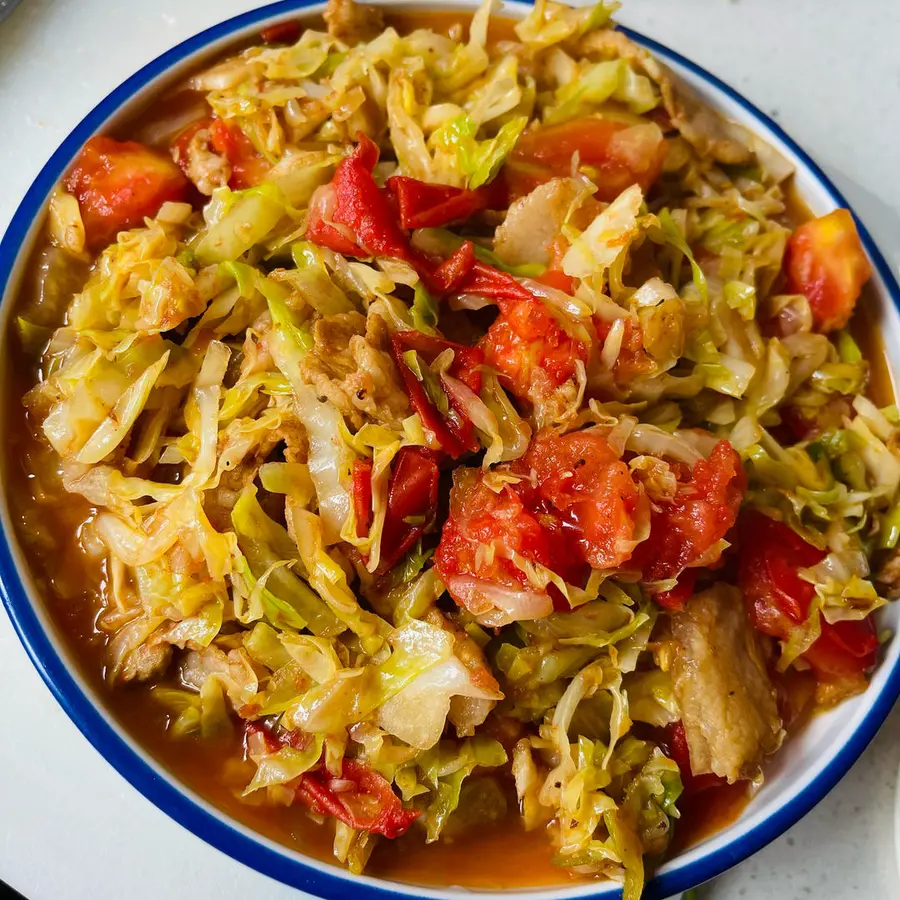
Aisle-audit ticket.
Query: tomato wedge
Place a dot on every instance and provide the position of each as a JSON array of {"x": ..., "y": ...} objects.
[
  {"x": 619, "y": 154},
  {"x": 119, "y": 183},
  {"x": 825, "y": 261}
]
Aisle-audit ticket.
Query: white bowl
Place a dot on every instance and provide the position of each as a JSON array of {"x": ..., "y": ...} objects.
[{"x": 803, "y": 772}]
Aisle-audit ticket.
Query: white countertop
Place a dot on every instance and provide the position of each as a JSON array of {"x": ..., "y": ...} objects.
[{"x": 70, "y": 827}]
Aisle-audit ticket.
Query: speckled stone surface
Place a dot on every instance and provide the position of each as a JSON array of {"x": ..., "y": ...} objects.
[{"x": 828, "y": 71}]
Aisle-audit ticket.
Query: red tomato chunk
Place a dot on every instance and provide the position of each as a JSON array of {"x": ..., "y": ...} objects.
[
  {"x": 778, "y": 600},
  {"x": 684, "y": 532},
  {"x": 618, "y": 154},
  {"x": 118, "y": 184},
  {"x": 529, "y": 349},
  {"x": 590, "y": 489},
  {"x": 825, "y": 261}
]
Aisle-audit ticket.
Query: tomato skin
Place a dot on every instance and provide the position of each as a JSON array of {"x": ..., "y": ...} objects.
[
  {"x": 361, "y": 493},
  {"x": 701, "y": 514},
  {"x": 425, "y": 205},
  {"x": 449, "y": 274},
  {"x": 825, "y": 261},
  {"x": 455, "y": 432},
  {"x": 620, "y": 154},
  {"x": 487, "y": 281},
  {"x": 590, "y": 489},
  {"x": 362, "y": 208},
  {"x": 412, "y": 495},
  {"x": 119, "y": 183},
  {"x": 371, "y": 806},
  {"x": 778, "y": 599}
]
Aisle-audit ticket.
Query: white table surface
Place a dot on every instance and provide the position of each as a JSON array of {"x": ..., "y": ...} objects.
[{"x": 70, "y": 827}]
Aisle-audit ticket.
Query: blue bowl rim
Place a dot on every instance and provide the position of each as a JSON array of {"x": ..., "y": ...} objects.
[{"x": 93, "y": 724}]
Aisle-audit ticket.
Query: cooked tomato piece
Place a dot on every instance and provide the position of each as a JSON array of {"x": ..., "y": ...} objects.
[
  {"x": 825, "y": 262},
  {"x": 484, "y": 529},
  {"x": 453, "y": 430},
  {"x": 778, "y": 599},
  {"x": 619, "y": 153},
  {"x": 449, "y": 274},
  {"x": 530, "y": 350},
  {"x": 569, "y": 505},
  {"x": 633, "y": 360},
  {"x": 684, "y": 531},
  {"x": 119, "y": 183},
  {"x": 248, "y": 168},
  {"x": 367, "y": 222},
  {"x": 680, "y": 594},
  {"x": 362, "y": 495},
  {"x": 411, "y": 504},
  {"x": 557, "y": 279},
  {"x": 425, "y": 205},
  {"x": 676, "y": 746},
  {"x": 844, "y": 651},
  {"x": 184, "y": 137},
  {"x": 499, "y": 286},
  {"x": 370, "y": 805},
  {"x": 590, "y": 489}
]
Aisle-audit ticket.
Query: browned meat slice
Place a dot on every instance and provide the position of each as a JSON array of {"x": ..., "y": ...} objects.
[
  {"x": 534, "y": 221},
  {"x": 727, "y": 701},
  {"x": 352, "y": 22},
  {"x": 204, "y": 166},
  {"x": 147, "y": 662},
  {"x": 350, "y": 365}
]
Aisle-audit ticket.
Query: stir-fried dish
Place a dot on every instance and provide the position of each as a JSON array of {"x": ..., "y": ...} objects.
[{"x": 462, "y": 420}]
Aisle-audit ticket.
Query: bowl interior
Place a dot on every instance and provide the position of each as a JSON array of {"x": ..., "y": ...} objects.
[{"x": 808, "y": 766}]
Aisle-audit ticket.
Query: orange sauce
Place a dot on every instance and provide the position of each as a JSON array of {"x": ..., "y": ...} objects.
[{"x": 497, "y": 856}]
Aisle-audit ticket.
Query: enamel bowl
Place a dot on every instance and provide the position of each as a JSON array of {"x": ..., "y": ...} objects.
[{"x": 807, "y": 768}]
